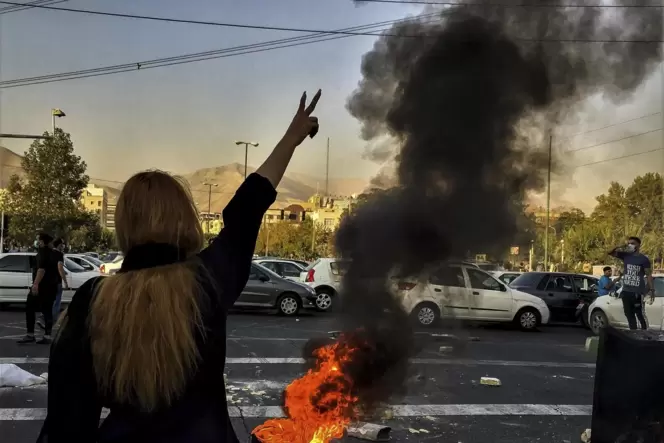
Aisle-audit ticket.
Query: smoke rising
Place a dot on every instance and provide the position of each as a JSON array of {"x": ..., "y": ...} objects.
[{"x": 467, "y": 101}]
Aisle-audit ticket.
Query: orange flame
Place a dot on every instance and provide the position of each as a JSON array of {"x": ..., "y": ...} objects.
[{"x": 318, "y": 405}]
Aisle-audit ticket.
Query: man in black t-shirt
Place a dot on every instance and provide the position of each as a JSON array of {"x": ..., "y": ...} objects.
[{"x": 43, "y": 292}]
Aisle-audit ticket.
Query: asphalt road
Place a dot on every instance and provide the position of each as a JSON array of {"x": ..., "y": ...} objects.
[{"x": 546, "y": 392}]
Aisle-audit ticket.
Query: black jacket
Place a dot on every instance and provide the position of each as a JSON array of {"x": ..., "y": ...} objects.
[{"x": 200, "y": 415}]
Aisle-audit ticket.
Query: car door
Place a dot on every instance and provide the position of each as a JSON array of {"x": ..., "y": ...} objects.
[
  {"x": 489, "y": 299},
  {"x": 15, "y": 277},
  {"x": 561, "y": 298},
  {"x": 261, "y": 289},
  {"x": 448, "y": 287}
]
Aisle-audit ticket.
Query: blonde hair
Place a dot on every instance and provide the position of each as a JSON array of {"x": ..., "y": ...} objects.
[{"x": 143, "y": 323}]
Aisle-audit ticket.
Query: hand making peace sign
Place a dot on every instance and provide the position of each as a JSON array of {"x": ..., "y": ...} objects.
[{"x": 303, "y": 123}]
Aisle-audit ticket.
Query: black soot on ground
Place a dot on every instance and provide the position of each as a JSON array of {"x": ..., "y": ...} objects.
[{"x": 464, "y": 99}]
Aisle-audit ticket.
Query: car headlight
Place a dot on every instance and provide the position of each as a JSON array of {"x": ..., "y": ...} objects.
[{"x": 311, "y": 290}]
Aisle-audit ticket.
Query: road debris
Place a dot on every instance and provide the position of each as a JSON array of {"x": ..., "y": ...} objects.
[
  {"x": 585, "y": 436},
  {"x": 417, "y": 431},
  {"x": 490, "y": 381},
  {"x": 369, "y": 431}
]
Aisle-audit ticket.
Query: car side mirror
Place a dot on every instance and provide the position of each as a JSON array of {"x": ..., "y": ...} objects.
[
  {"x": 503, "y": 288},
  {"x": 264, "y": 278}
]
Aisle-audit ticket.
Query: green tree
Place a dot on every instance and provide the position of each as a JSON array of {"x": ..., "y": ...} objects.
[{"x": 47, "y": 197}]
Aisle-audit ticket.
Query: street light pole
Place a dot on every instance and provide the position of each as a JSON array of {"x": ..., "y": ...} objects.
[
  {"x": 246, "y": 152},
  {"x": 548, "y": 207},
  {"x": 209, "y": 185},
  {"x": 56, "y": 112}
]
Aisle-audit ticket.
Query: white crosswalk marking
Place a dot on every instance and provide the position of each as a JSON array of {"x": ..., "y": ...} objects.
[
  {"x": 25, "y": 414},
  {"x": 422, "y": 361}
]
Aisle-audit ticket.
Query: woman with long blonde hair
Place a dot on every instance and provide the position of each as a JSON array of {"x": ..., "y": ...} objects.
[{"x": 149, "y": 343}]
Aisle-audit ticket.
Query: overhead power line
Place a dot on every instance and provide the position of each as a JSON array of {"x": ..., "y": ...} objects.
[
  {"x": 608, "y": 126},
  {"x": 505, "y": 5},
  {"x": 29, "y": 5},
  {"x": 374, "y": 29},
  {"x": 291, "y": 29},
  {"x": 201, "y": 56},
  {"x": 619, "y": 158},
  {"x": 614, "y": 141}
]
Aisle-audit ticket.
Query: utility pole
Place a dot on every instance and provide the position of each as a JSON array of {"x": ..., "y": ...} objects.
[
  {"x": 209, "y": 185},
  {"x": 327, "y": 170},
  {"x": 246, "y": 152},
  {"x": 548, "y": 207}
]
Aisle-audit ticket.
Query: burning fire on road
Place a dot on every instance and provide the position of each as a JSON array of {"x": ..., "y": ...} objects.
[{"x": 320, "y": 404}]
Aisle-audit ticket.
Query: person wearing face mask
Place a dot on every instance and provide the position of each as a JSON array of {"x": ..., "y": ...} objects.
[{"x": 636, "y": 280}]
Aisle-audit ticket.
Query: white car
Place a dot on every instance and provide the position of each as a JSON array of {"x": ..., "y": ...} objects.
[
  {"x": 324, "y": 276},
  {"x": 607, "y": 310},
  {"x": 112, "y": 267},
  {"x": 282, "y": 267},
  {"x": 85, "y": 261},
  {"x": 464, "y": 292},
  {"x": 16, "y": 276}
]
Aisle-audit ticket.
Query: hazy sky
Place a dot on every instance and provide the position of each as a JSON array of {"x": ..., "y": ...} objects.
[{"x": 186, "y": 117}]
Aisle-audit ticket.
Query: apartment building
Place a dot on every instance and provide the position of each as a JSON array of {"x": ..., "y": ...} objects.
[
  {"x": 110, "y": 216},
  {"x": 95, "y": 199}
]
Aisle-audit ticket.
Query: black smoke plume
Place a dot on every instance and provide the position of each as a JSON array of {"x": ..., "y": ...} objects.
[{"x": 467, "y": 100}]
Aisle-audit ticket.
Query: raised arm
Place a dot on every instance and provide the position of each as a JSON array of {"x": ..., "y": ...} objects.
[
  {"x": 616, "y": 252},
  {"x": 228, "y": 257}
]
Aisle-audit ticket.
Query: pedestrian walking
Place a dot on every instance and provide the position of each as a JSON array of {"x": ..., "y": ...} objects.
[
  {"x": 43, "y": 291},
  {"x": 149, "y": 343},
  {"x": 636, "y": 282}
]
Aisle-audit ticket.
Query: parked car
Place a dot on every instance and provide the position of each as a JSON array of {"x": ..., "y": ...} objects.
[
  {"x": 506, "y": 276},
  {"x": 87, "y": 262},
  {"x": 110, "y": 256},
  {"x": 110, "y": 268},
  {"x": 324, "y": 276},
  {"x": 285, "y": 268},
  {"x": 563, "y": 293},
  {"x": 464, "y": 292},
  {"x": 266, "y": 289},
  {"x": 16, "y": 276},
  {"x": 608, "y": 310},
  {"x": 92, "y": 254}
]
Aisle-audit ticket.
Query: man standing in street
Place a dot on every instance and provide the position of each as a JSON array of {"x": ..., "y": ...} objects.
[
  {"x": 637, "y": 281},
  {"x": 59, "y": 258},
  {"x": 43, "y": 292}
]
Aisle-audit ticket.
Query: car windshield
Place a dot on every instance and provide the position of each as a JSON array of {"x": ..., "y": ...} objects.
[
  {"x": 72, "y": 267},
  {"x": 529, "y": 279}
]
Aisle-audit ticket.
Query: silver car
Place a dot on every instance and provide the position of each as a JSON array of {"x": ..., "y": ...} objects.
[{"x": 266, "y": 289}]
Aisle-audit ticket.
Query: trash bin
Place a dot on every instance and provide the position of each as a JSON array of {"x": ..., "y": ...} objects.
[{"x": 628, "y": 402}]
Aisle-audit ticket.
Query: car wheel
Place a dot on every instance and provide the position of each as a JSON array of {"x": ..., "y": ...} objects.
[
  {"x": 288, "y": 305},
  {"x": 598, "y": 321},
  {"x": 324, "y": 299},
  {"x": 426, "y": 314},
  {"x": 528, "y": 319}
]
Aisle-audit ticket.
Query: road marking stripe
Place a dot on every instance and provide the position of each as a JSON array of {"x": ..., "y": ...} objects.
[
  {"x": 25, "y": 414},
  {"x": 299, "y": 361}
]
